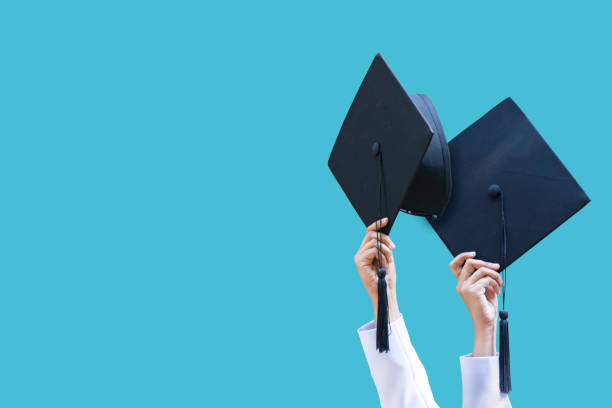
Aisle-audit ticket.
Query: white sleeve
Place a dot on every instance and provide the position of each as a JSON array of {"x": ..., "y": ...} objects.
[
  {"x": 480, "y": 379},
  {"x": 399, "y": 376}
]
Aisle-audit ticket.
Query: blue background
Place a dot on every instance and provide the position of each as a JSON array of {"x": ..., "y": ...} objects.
[{"x": 170, "y": 234}]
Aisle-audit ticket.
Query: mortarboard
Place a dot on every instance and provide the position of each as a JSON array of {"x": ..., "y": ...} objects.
[
  {"x": 509, "y": 192},
  {"x": 391, "y": 155}
]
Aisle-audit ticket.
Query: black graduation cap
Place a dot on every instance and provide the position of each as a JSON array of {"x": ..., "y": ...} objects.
[
  {"x": 385, "y": 127},
  {"x": 391, "y": 155},
  {"x": 509, "y": 192}
]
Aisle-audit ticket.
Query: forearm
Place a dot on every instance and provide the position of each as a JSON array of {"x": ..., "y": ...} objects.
[{"x": 480, "y": 372}]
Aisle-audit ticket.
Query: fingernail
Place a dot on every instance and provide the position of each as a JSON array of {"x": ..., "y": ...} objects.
[
  {"x": 473, "y": 253},
  {"x": 496, "y": 265}
]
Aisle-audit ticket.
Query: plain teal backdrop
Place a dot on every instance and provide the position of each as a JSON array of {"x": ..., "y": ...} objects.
[{"x": 171, "y": 236}]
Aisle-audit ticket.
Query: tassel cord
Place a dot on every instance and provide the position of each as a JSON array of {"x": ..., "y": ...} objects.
[
  {"x": 382, "y": 325},
  {"x": 505, "y": 384}
]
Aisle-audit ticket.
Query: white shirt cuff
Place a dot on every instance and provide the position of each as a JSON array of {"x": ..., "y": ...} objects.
[{"x": 480, "y": 381}]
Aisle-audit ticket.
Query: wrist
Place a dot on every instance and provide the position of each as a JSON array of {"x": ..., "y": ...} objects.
[
  {"x": 394, "y": 312},
  {"x": 484, "y": 342}
]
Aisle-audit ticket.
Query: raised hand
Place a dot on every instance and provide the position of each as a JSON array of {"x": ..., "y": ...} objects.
[
  {"x": 366, "y": 260},
  {"x": 478, "y": 284}
]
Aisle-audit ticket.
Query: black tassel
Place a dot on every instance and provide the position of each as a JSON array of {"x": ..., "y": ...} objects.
[
  {"x": 504, "y": 353},
  {"x": 382, "y": 325}
]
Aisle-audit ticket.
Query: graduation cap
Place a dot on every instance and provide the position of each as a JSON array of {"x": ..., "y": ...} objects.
[
  {"x": 509, "y": 192},
  {"x": 391, "y": 155}
]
